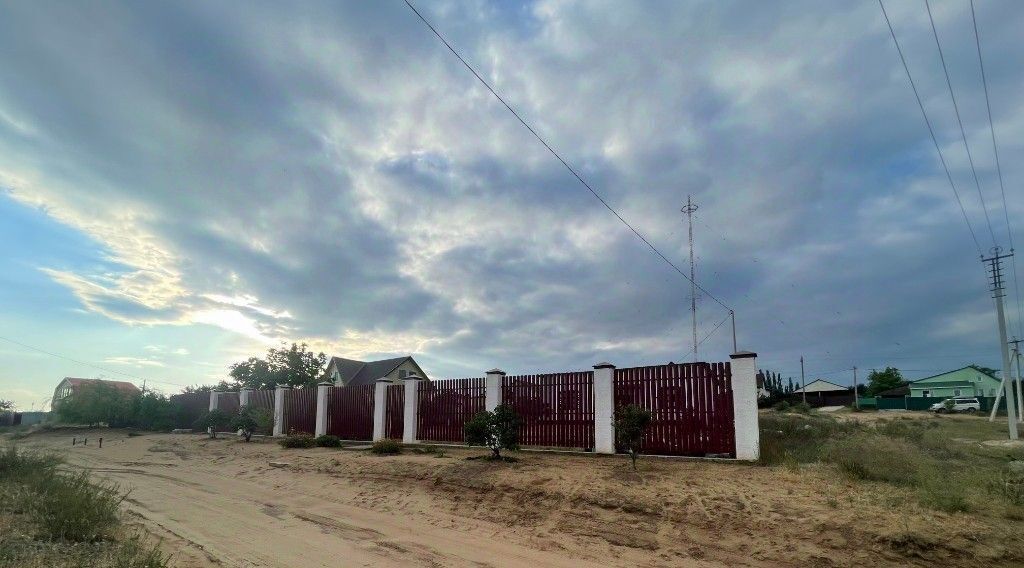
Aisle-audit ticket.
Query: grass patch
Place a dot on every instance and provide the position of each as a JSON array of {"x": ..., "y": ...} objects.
[
  {"x": 53, "y": 517},
  {"x": 386, "y": 447},
  {"x": 874, "y": 457}
]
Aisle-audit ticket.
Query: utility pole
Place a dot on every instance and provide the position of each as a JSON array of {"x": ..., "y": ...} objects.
[
  {"x": 1015, "y": 358},
  {"x": 996, "y": 273},
  {"x": 856, "y": 395},
  {"x": 690, "y": 209},
  {"x": 803, "y": 385}
]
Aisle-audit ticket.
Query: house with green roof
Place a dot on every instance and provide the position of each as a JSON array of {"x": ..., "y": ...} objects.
[{"x": 967, "y": 381}]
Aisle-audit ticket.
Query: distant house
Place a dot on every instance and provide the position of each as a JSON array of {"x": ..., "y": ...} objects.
[
  {"x": 70, "y": 385},
  {"x": 351, "y": 373},
  {"x": 823, "y": 387},
  {"x": 967, "y": 381},
  {"x": 823, "y": 393}
]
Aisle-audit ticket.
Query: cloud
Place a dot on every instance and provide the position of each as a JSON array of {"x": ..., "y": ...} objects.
[
  {"x": 133, "y": 361},
  {"x": 329, "y": 174}
]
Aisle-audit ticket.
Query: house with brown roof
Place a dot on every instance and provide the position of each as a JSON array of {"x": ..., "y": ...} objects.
[
  {"x": 69, "y": 385},
  {"x": 351, "y": 373}
]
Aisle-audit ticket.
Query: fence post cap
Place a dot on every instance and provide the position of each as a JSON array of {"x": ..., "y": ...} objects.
[
  {"x": 325, "y": 384},
  {"x": 383, "y": 380},
  {"x": 283, "y": 386},
  {"x": 604, "y": 365},
  {"x": 495, "y": 371},
  {"x": 412, "y": 377},
  {"x": 743, "y": 355}
]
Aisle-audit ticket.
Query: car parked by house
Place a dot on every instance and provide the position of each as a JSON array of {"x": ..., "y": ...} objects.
[{"x": 957, "y": 404}]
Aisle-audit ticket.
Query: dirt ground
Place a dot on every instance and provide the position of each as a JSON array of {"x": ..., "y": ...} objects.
[{"x": 221, "y": 503}]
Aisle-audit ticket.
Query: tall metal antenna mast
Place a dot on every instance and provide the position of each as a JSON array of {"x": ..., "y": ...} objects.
[{"x": 689, "y": 210}]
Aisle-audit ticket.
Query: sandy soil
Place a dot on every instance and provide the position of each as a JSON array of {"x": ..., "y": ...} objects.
[{"x": 220, "y": 502}]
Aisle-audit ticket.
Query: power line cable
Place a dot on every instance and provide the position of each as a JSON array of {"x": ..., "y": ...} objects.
[
  {"x": 558, "y": 156},
  {"x": 999, "y": 171},
  {"x": 963, "y": 133},
  {"x": 712, "y": 332},
  {"x": 931, "y": 131},
  {"x": 129, "y": 375}
]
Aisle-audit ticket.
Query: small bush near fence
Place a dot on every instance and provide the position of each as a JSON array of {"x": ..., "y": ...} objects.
[
  {"x": 497, "y": 430},
  {"x": 328, "y": 441},
  {"x": 298, "y": 440},
  {"x": 252, "y": 420},
  {"x": 213, "y": 421},
  {"x": 386, "y": 447},
  {"x": 631, "y": 422}
]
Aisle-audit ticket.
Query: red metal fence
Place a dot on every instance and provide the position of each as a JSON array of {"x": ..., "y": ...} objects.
[
  {"x": 189, "y": 408},
  {"x": 300, "y": 410},
  {"x": 691, "y": 407},
  {"x": 350, "y": 412},
  {"x": 556, "y": 409},
  {"x": 262, "y": 399},
  {"x": 394, "y": 412},
  {"x": 445, "y": 407},
  {"x": 227, "y": 402}
]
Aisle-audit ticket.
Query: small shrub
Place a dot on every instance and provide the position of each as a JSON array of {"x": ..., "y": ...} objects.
[
  {"x": 631, "y": 421},
  {"x": 70, "y": 507},
  {"x": 497, "y": 430},
  {"x": 386, "y": 447},
  {"x": 801, "y": 408},
  {"x": 298, "y": 440},
  {"x": 212, "y": 421},
  {"x": 18, "y": 464},
  {"x": 328, "y": 441},
  {"x": 781, "y": 406},
  {"x": 251, "y": 420}
]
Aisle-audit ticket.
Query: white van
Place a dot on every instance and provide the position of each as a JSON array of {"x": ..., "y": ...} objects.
[{"x": 960, "y": 404}]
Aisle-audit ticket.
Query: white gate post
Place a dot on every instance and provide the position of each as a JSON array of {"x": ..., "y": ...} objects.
[
  {"x": 380, "y": 404},
  {"x": 213, "y": 399},
  {"x": 243, "y": 397},
  {"x": 321, "y": 407},
  {"x": 410, "y": 418},
  {"x": 492, "y": 389},
  {"x": 744, "y": 405},
  {"x": 279, "y": 394},
  {"x": 604, "y": 408}
]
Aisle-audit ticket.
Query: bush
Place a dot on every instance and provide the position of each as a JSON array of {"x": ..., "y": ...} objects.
[
  {"x": 386, "y": 447},
  {"x": 497, "y": 430},
  {"x": 70, "y": 507},
  {"x": 212, "y": 421},
  {"x": 328, "y": 441},
  {"x": 801, "y": 408},
  {"x": 631, "y": 421},
  {"x": 251, "y": 420},
  {"x": 298, "y": 440},
  {"x": 781, "y": 406}
]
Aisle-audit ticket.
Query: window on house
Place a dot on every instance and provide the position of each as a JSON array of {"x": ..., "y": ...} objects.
[
  {"x": 926, "y": 394},
  {"x": 956, "y": 392},
  {"x": 402, "y": 373}
]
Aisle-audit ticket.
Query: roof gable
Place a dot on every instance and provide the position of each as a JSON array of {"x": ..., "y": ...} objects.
[
  {"x": 961, "y": 375},
  {"x": 356, "y": 373},
  {"x": 821, "y": 385}
]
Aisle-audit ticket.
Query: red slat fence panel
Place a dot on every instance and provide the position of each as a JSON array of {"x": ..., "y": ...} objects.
[
  {"x": 394, "y": 412},
  {"x": 227, "y": 402},
  {"x": 262, "y": 399},
  {"x": 446, "y": 405},
  {"x": 556, "y": 409},
  {"x": 690, "y": 404},
  {"x": 300, "y": 410},
  {"x": 350, "y": 412},
  {"x": 189, "y": 408}
]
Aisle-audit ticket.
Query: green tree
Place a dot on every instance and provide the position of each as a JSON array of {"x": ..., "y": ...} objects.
[
  {"x": 98, "y": 403},
  {"x": 497, "y": 430},
  {"x": 631, "y": 421},
  {"x": 6, "y": 405},
  {"x": 295, "y": 366},
  {"x": 251, "y": 420},
  {"x": 223, "y": 386},
  {"x": 213, "y": 421},
  {"x": 152, "y": 411},
  {"x": 884, "y": 380}
]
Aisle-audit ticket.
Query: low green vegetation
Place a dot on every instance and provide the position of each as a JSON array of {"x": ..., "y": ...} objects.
[
  {"x": 53, "y": 517},
  {"x": 252, "y": 421},
  {"x": 386, "y": 447},
  {"x": 941, "y": 462},
  {"x": 298, "y": 440},
  {"x": 101, "y": 403},
  {"x": 213, "y": 421},
  {"x": 631, "y": 421},
  {"x": 328, "y": 441},
  {"x": 497, "y": 430}
]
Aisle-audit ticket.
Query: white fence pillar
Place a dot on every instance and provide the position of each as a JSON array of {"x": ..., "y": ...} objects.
[
  {"x": 321, "y": 407},
  {"x": 604, "y": 408},
  {"x": 243, "y": 397},
  {"x": 744, "y": 405},
  {"x": 214, "y": 395},
  {"x": 380, "y": 404},
  {"x": 279, "y": 394},
  {"x": 410, "y": 418},
  {"x": 492, "y": 389}
]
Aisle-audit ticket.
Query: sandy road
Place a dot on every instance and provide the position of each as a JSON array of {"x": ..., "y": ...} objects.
[{"x": 212, "y": 515}]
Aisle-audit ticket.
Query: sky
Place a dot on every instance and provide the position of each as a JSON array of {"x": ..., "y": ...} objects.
[{"x": 186, "y": 184}]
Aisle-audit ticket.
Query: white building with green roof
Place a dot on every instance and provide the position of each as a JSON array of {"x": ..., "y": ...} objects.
[{"x": 967, "y": 381}]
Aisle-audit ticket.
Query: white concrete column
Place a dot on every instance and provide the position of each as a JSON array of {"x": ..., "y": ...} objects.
[
  {"x": 322, "y": 391},
  {"x": 214, "y": 395},
  {"x": 243, "y": 397},
  {"x": 410, "y": 419},
  {"x": 380, "y": 404},
  {"x": 744, "y": 405},
  {"x": 604, "y": 408},
  {"x": 492, "y": 389},
  {"x": 279, "y": 394}
]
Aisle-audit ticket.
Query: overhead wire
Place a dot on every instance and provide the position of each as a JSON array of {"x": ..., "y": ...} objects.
[
  {"x": 931, "y": 131},
  {"x": 559, "y": 157}
]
